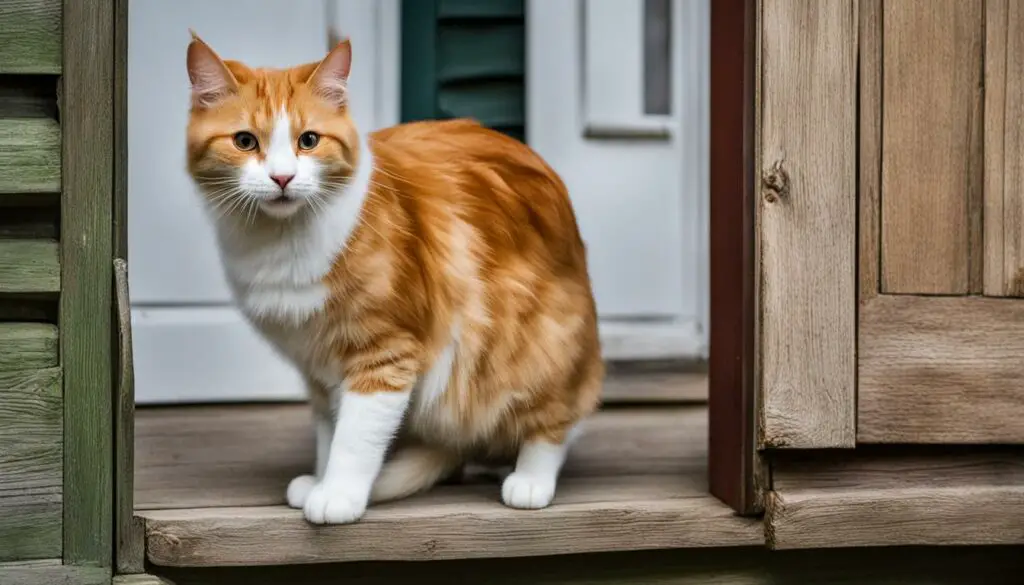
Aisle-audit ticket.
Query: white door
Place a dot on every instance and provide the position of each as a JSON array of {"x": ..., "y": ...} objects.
[
  {"x": 617, "y": 104},
  {"x": 632, "y": 147},
  {"x": 190, "y": 343}
]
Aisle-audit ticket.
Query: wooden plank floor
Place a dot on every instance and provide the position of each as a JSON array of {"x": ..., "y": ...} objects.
[{"x": 210, "y": 484}]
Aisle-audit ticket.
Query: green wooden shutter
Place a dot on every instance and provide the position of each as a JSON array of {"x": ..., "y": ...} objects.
[{"x": 465, "y": 58}]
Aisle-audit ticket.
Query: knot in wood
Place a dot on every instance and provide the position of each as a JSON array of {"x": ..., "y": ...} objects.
[{"x": 774, "y": 183}]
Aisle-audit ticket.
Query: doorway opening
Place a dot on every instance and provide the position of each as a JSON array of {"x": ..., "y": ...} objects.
[{"x": 220, "y": 424}]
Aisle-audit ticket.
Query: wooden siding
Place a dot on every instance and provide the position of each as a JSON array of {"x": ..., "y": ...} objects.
[
  {"x": 931, "y": 143},
  {"x": 937, "y": 363},
  {"x": 31, "y": 36},
  {"x": 28, "y": 346},
  {"x": 29, "y": 266},
  {"x": 30, "y": 464},
  {"x": 52, "y": 572},
  {"x": 807, "y": 223},
  {"x": 29, "y": 155},
  {"x": 1004, "y": 148},
  {"x": 31, "y": 408},
  {"x": 941, "y": 370},
  {"x": 891, "y": 495}
]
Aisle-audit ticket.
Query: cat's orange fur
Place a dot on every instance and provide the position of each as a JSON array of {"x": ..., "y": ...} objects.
[{"x": 466, "y": 240}]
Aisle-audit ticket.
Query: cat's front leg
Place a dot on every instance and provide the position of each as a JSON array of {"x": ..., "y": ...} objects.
[
  {"x": 323, "y": 405},
  {"x": 367, "y": 421},
  {"x": 300, "y": 487},
  {"x": 532, "y": 484}
]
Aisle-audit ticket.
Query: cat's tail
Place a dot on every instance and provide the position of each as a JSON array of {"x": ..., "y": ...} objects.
[{"x": 413, "y": 469}]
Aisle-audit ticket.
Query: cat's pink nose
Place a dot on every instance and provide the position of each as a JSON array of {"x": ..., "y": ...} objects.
[{"x": 282, "y": 180}]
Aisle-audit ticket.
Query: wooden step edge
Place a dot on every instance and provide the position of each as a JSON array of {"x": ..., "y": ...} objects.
[
  {"x": 655, "y": 388},
  {"x": 912, "y": 516},
  {"x": 278, "y": 535},
  {"x": 141, "y": 579}
]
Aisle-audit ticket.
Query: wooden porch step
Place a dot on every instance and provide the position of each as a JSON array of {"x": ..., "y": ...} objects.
[{"x": 210, "y": 485}]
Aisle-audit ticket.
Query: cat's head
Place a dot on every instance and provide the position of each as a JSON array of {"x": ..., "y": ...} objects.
[{"x": 270, "y": 142}]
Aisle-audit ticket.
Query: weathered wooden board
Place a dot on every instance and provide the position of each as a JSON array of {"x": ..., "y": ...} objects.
[
  {"x": 899, "y": 467},
  {"x": 1004, "y": 148},
  {"x": 28, "y": 346},
  {"x": 590, "y": 514},
  {"x": 931, "y": 143},
  {"x": 52, "y": 572},
  {"x": 29, "y": 155},
  {"x": 129, "y": 529},
  {"x": 31, "y": 462},
  {"x": 897, "y": 495},
  {"x": 86, "y": 299},
  {"x": 636, "y": 479},
  {"x": 140, "y": 579},
  {"x": 944, "y": 516},
  {"x": 808, "y": 223},
  {"x": 941, "y": 370},
  {"x": 29, "y": 266},
  {"x": 629, "y": 385},
  {"x": 30, "y": 36},
  {"x": 174, "y": 467},
  {"x": 869, "y": 114},
  {"x": 734, "y": 566}
]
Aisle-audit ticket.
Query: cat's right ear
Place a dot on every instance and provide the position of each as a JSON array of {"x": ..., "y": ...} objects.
[
  {"x": 330, "y": 79},
  {"x": 211, "y": 80}
]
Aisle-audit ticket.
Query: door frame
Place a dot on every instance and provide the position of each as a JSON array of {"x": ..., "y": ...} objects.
[{"x": 736, "y": 473}]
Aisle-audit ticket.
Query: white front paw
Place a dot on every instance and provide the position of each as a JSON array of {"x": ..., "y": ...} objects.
[
  {"x": 521, "y": 490},
  {"x": 298, "y": 490},
  {"x": 338, "y": 502}
]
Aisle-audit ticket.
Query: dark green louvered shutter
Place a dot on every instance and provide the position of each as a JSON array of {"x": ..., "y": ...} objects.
[{"x": 465, "y": 58}]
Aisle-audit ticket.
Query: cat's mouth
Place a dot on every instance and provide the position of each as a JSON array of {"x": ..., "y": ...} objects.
[{"x": 281, "y": 206}]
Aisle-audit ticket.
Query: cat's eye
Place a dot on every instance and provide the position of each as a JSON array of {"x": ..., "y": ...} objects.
[
  {"x": 245, "y": 141},
  {"x": 309, "y": 140}
]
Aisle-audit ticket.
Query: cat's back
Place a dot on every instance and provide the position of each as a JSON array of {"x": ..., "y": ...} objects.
[{"x": 492, "y": 180}]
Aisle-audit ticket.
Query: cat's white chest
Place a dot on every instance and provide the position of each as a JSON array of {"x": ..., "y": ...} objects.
[
  {"x": 282, "y": 297},
  {"x": 285, "y": 305}
]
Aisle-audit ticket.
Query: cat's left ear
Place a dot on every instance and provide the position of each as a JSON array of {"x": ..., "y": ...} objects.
[
  {"x": 210, "y": 77},
  {"x": 330, "y": 80}
]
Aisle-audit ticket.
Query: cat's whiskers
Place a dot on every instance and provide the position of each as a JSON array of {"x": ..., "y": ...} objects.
[
  {"x": 217, "y": 181},
  {"x": 253, "y": 205},
  {"x": 318, "y": 204},
  {"x": 383, "y": 186},
  {"x": 370, "y": 227},
  {"x": 391, "y": 174},
  {"x": 225, "y": 201},
  {"x": 392, "y": 225}
]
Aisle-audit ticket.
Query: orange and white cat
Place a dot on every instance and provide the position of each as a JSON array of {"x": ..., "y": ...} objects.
[{"x": 428, "y": 280}]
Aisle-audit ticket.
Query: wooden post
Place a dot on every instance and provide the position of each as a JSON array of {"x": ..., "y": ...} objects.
[{"x": 87, "y": 110}]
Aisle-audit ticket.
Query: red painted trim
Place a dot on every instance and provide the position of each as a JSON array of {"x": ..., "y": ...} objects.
[{"x": 731, "y": 367}]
